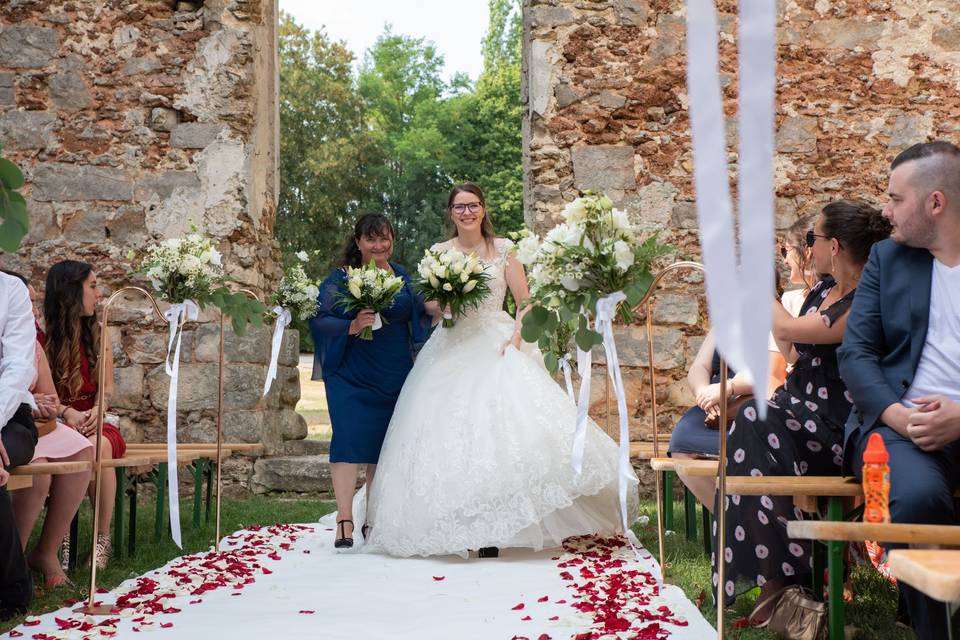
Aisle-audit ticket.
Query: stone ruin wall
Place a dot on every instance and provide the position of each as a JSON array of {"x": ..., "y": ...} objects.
[
  {"x": 606, "y": 108},
  {"x": 134, "y": 120}
]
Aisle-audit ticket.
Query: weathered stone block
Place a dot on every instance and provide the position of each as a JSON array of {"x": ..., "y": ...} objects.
[
  {"x": 567, "y": 95},
  {"x": 909, "y": 129},
  {"x": 304, "y": 474},
  {"x": 844, "y": 33},
  {"x": 610, "y": 100},
  {"x": 797, "y": 134},
  {"x": 27, "y": 46},
  {"x": 151, "y": 348},
  {"x": 632, "y": 347},
  {"x": 163, "y": 119},
  {"x": 289, "y": 380},
  {"x": 135, "y": 66},
  {"x": 56, "y": 181},
  {"x": 252, "y": 346},
  {"x": 684, "y": 215},
  {"x": 672, "y": 308},
  {"x": 26, "y": 129},
  {"x": 604, "y": 166},
  {"x": 243, "y": 386},
  {"x": 194, "y": 135},
  {"x": 128, "y": 389},
  {"x": 8, "y": 94},
  {"x": 289, "y": 348},
  {"x": 126, "y": 225},
  {"x": 292, "y": 425},
  {"x": 539, "y": 85},
  {"x": 547, "y": 16},
  {"x": 86, "y": 225},
  {"x": 632, "y": 12},
  {"x": 198, "y": 388},
  {"x": 304, "y": 448},
  {"x": 243, "y": 426},
  {"x": 164, "y": 184},
  {"x": 69, "y": 91}
]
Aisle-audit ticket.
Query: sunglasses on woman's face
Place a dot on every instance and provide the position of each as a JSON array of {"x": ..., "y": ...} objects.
[
  {"x": 784, "y": 250},
  {"x": 812, "y": 237}
]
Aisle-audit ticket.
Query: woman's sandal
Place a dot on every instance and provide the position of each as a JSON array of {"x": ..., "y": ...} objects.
[
  {"x": 343, "y": 542},
  {"x": 365, "y": 531}
]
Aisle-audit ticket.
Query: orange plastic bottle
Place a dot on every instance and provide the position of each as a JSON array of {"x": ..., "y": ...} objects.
[{"x": 876, "y": 481}]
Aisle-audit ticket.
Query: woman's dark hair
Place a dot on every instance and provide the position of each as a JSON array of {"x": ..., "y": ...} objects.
[
  {"x": 368, "y": 225},
  {"x": 68, "y": 330},
  {"x": 486, "y": 225},
  {"x": 856, "y": 225},
  {"x": 16, "y": 275}
]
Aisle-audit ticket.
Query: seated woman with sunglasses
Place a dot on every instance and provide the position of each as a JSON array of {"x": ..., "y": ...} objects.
[
  {"x": 797, "y": 258},
  {"x": 803, "y": 430}
]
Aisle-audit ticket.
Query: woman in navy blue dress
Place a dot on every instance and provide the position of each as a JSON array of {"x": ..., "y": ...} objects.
[{"x": 363, "y": 378}]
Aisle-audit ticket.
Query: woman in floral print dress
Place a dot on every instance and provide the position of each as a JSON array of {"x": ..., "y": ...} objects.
[{"x": 803, "y": 430}]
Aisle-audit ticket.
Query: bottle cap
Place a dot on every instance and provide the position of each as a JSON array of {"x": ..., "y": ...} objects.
[{"x": 876, "y": 452}]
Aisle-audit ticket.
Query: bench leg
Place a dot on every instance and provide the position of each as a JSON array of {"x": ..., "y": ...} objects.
[
  {"x": 159, "y": 477},
  {"x": 209, "y": 467},
  {"x": 835, "y": 573},
  {"x": 74, "y": 535},
  {"x": 118, "y": 509},
  {"x": 132, "y": 534},
  {"x": 668, "y": 501},
  {"x": 196, "y": 470},
  {"x": 707, "y": 531},
  {"x": 690, "y": 514}
]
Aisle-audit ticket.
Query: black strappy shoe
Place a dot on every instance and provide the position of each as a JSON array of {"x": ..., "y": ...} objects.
[
  {"x": 488, "y": 552},
  {"x": 365, "y": 531},
  {"x": 343, "y": 542}
]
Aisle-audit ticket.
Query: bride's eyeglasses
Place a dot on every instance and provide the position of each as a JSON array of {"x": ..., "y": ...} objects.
[{"x": 472, "y": 207}]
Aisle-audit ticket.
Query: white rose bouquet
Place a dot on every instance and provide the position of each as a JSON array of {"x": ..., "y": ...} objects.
[
  {"x": 594, "y": 252},
  {"x": 188, "y": 268},
  {"x": 453, "y": 279},
  {"x": 369, "y": 287},
  {"x": 296, "y": 292}
]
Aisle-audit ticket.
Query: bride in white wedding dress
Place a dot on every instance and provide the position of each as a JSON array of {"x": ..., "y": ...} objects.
[{"x": 477, "y": 453}]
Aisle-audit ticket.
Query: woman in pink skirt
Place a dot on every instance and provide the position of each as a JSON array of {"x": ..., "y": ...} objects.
[{"x": 57, "y": 443}]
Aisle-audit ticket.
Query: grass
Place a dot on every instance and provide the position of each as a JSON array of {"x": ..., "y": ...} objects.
[
  {"x": 235, "y": 514},
  {"x": 313, "y": 402},
  {"x": 872, "y": 612}
]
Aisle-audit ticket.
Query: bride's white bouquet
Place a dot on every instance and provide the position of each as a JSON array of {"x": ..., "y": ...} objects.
[
  {"x": 595, "y": 252},
  {"x": 369, "y": 287},
  {"x": 187, "y": 268},
  {"x": 453, "y": 279},
  {"x": 296, "y": 292}
]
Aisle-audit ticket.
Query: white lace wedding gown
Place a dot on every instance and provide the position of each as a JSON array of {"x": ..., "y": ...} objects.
[{"x": 478, "y": 450}]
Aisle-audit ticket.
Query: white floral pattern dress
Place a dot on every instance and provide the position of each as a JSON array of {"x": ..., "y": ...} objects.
[
  {"x": 477, "y": 453},
  {"x": 802, "y": 435}
]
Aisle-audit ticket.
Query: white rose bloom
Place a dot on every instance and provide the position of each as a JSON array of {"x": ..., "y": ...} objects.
[
  {"x": 621, "y": 220},
  {"x": 623, "y": 253},
  {"x": 464, "y": 276},
  {"x": 558, "y": 232},
  {"x": 302, "y": 256},
  {"x": 447, "y": 286},
  {"x": 467, "y": 288},
  {"x": 527, "y": 249},
  {"x": 354, "y": 289},
  {"x": 575, "y": 211},
  {"x": 433, "y": 281},
  {"x": 570, "y": 283},
  {"x": 190, "y": 264}
]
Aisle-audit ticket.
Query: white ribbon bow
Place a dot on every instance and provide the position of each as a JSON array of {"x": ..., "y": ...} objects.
[
  {"x": 283, "y": 321},
  {"x": 564, "y": 364},
  {"x": 176, "y": 316}
]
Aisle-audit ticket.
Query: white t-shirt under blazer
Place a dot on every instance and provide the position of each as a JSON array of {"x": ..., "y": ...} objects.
[{"x": 938, "y": 371}]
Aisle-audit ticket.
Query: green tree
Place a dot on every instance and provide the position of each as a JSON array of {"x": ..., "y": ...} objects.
[{"x": 326, "y": 147}]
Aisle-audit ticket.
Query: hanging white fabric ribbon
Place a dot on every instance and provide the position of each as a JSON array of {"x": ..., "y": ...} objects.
[
  {"x": 738, "y": 300},
  {"x": 283, "y": 320},
  {"x": 564, "y": 364},
  {"x": 176, "y": 316},
  {"x": 606, "y": 311},
  {"x": 377, "y": 322},
  {"x": 584, "y": 366}
]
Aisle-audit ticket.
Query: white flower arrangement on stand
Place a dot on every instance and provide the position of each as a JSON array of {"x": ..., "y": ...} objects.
[{"x": 296, "y": 295}]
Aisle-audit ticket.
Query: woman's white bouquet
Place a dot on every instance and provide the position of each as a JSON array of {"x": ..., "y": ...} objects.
[
  {"x": 454, "y": 280},
  {"x": 296, "y": 292},
  {"x": 369, "y": 287},
  {"x": 595, "y": 252},
  {"x": 188, "y": 268}
]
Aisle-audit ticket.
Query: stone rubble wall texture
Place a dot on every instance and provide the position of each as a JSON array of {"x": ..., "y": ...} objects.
[
  {"x": 134, "y": 121},
  {"x": 606, "y": 108}
]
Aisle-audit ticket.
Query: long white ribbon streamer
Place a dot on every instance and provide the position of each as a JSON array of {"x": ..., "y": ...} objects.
[
  {"x": 606, "y": 309},
  {"x": 584, "y": 366},
  {"x": 738, "y": 301},
  {"x": 567, "y": 375},
  {"x": 283, "y": 320},
  {"x": 176, "y": 316}
]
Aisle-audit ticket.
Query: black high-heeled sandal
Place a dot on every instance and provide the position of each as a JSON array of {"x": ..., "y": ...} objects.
[
  {"x": 343, "y": 542},
  {"x": 488, "y": 552},
  {"x": 365, "y": 531}
]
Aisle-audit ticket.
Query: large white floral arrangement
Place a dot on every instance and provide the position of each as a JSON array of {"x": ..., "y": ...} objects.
[
  {"x": 296, "y": 292},
  {"x": 594, "y": 252}
]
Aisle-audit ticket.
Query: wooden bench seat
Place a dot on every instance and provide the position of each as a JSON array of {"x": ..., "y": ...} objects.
[
  {"x": 15, "y": 483},
  {"x": 882, "y": 532},
  {"x": 935, "y": 572}
]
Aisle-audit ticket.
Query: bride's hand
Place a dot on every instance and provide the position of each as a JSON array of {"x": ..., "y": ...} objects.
[{"x": 514, "y": 340}]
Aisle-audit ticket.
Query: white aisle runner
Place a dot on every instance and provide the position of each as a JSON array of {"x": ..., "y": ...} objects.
[{"x": 286, "y": 581}]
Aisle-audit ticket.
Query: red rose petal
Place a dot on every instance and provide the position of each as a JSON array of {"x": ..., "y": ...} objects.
[
  {"x": 439, "y": 578},
  {"x": 15, "y": 634},
  {"x": 526, "y": 618},
  {"x": 166, "y": 625},
  {"x": 31, "y": 623},
  {"x": 553, "y": 618},
  {"x": 543, "y": 636},
  {"x": 543, "y": 599},
  {"x": 518, "y": 607},
  {"x": 307, "y": 611}
]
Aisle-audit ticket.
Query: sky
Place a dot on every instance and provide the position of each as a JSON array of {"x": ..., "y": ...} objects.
[{"x": 456, "y": 27}]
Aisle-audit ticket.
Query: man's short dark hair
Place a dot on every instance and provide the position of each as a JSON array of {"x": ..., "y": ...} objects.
[{"x": 938, "y": 170}]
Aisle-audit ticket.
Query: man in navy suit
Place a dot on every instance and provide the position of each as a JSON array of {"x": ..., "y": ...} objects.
[{"x": 900, "y": 356}]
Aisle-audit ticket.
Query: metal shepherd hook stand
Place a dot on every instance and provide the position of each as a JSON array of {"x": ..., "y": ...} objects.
[
  {"x": 645, "y": 304},
  {"x": 92, "y": 608}
]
